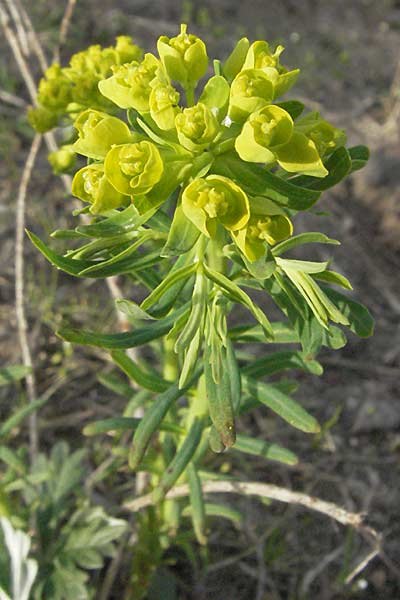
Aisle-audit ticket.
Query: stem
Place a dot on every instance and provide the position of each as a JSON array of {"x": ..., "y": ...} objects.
[{"x": 190, "y": 99}]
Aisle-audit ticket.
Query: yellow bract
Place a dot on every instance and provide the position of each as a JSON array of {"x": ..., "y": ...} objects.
[
  {"x": 134, "y": 169},
  {"x": 215, "y": 199}
]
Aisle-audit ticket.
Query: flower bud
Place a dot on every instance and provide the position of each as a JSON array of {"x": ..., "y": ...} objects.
[
  {"x": 54, "y": 89},
  {"x": 262, "y": 229},
  {"x": 42, "y": 119},
  {"x": 91, "y": 185},
  {"x": 184, "y": 57},
  {"x": 264, "y": 130},
  {"x": 99, "y": 131},
  {"x": 325, "y": 136},
  {"x": 164, "y": 101},
  {"x": 126, "y": 50},
  {"x": 215, "y": 199},
  {"x": 259, "y": 56},
  {"x": 134, "y": 169},
  {"x": 62, "y": 160},
  {"x": 197, "y": 127},
  {"x": 129, "y": 87}
]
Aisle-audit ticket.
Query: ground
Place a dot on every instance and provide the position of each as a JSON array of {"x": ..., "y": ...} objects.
[{"x": 348, "y": 53}]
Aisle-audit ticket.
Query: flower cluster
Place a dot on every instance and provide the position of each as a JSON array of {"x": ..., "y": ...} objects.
[
  {"x": 177, "y": 138},
  {"x": 68, "y": 90}
]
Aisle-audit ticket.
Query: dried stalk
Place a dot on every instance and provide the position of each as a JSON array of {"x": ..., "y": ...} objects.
[{"x": 19, "y": 293}]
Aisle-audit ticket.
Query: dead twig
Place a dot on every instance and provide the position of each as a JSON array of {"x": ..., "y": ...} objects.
[
  {"x": 265, "y": 490},
  {"x": 19, "y": 293},
  {"x": 64, "y": 27}
]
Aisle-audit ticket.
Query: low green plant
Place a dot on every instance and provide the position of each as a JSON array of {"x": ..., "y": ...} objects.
[
  {"x": 71, "y": 538},
  {"x": 192, "y": 190}
]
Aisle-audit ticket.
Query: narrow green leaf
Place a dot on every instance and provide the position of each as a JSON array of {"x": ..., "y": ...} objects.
[
  {"x": 250, "y": 445},
  {"x": 311, "y": 237},
  {"x": 129, "y": 339},
  {"x": 112, "y": 424},
  {"x": 182, "y": 235},
  {"x": 20, "y": 415},
  {"x": 220, "y": 405},
  {"x": 68, "y": 265},
  {"x": 152, "y": 420},
  {"x": 123, "y": 222},
  {"x": 174, "y": 277},
  {"x": 283, "y": 333},
  {"x": 333, "y": 277},
  {"x": 238, "y": 295},
  {"x": 117, "y": 258},
  {"x": 282, "y": 361},
  {"x": 284, "y": 406},
  {"x": 180, "y": 461},
  {"x": 197, "y": 504},
  {"x": 132, "y": 310},
  {"x": 213, "y": 509},
  {"x": 146, "y": 380},
  {"x": 360, "y": 320}
]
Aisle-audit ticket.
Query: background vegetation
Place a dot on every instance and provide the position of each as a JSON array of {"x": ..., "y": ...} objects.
[{"x": 348, "y": 53}]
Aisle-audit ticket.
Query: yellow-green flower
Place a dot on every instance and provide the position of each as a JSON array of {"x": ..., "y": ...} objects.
[
  {"x": 259, "y": 56},
  {"x": 184, "y": 57},
  {"x": 163, "y": 103},
  {"x": 197, "y": 127},
  {"x": 325, "y": 136},
  {"x": 90, "y": 185},
  {"x": 269, "y": 136},
  {"x": 126, "y": 50},
  {"x": 99, "y": 131},
  {"x": 215, "y": 199},
  {"x": 250, "y": 90},
  {"x": 134, "y": 169},
  {"x": 259, "y": 231},
  {"x": 130, "y": 87},
  {"x": 262, "y": 133}
]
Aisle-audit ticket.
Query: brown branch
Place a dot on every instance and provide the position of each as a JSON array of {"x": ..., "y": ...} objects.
[
  {"x": 265, "y": 490},
  {"x": 19, "y": 293}
]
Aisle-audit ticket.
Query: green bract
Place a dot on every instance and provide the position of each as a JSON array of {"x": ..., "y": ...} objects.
[
  {"x": 259, "y": 56},
  {"x": 184, "y": 57},
  {"x": 98, "y": 132},
  {"x": 261, "y": 229},
  {"x": 197, "y": 127},
  {"x": 163, "y": 103},
  {"x": 134, "y": 169},
  {"x": 263, "y": 133},
  {"x": 215, "y": 199},
  {"x": 129, "y": 87},
  {"x": 91, "y": 185},
  {"x": 251, "y": 90},
  {"x": 325, "y": 136}
]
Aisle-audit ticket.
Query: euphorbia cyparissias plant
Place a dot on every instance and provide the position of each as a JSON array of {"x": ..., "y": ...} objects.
[{"x": 193, "y": 191}]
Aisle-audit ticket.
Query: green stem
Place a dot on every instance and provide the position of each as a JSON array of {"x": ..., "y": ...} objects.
[{"x": 190, "y": 99}]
